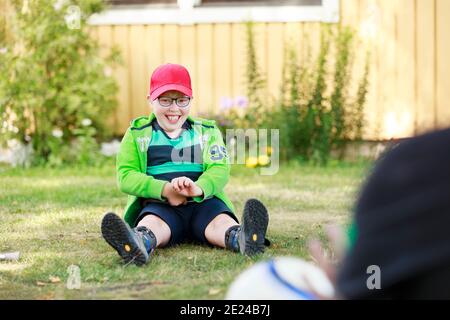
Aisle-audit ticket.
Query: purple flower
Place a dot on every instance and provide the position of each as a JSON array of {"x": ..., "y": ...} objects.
[
  {"x": 241, "y": 102},
  {"x": 226, "y": 103},
  {"x": 223, "y": 122}
]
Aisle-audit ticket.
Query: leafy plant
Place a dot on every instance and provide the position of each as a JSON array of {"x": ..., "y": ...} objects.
[
  {"x": 255, "y": 84},
  {"x": 54, "y": 79},
  {"x": 316, "y": 112}
]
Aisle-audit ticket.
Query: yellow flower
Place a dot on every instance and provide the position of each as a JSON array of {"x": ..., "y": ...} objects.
[
  {"x": 269, "y": 150},
  {"x": 263, "y": 160},
  {"x": 251, "y": 162}
]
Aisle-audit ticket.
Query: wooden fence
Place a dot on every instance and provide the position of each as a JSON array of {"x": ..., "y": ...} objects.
[
  {"x": 410, "y": 69},
  {"x": 410, "y": 66}
]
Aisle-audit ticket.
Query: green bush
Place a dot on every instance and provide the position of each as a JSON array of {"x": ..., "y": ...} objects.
[
  {"x": 316, "y": 112},
  {"x": 56, "y": 92}
]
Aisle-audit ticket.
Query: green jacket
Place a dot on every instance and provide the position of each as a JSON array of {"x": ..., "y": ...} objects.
[{"x": 131, "y": 165}]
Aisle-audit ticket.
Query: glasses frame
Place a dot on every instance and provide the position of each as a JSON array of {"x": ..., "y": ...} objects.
[{"x": 176, "y": 101}]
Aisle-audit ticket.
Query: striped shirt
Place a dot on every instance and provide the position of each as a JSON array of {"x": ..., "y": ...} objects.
[{"x": 169, "y": 158}]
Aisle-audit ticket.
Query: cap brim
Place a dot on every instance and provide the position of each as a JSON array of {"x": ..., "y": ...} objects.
[{"x": 178, "y": 87}]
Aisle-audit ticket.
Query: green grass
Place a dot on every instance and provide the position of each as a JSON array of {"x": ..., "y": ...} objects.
[{"x": 52, "y": 216}]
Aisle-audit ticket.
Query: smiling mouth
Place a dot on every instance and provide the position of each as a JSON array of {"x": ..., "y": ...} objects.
[{"x": 173, "y": 119}]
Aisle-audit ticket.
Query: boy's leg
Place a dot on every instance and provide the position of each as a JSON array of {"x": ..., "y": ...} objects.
[
  {"x": 216, "y": 229},
  {"x": 133, "y": 245},
  {"x": 159, "y": 228},
  {"x": 214, "y": 223},
  {"x": 251, "y": 234}
]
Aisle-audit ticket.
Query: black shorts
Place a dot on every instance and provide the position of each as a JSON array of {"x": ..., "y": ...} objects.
[{"x": 187, "y": 222}]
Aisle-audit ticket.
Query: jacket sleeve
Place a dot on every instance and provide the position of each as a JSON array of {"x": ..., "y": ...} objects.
[
  {"x": 130, "y": 179},
  {"x": 217, "y": 167}
]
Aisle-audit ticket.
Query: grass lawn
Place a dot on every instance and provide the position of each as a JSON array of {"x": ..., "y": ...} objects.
[{"x": 52, "y": 216}]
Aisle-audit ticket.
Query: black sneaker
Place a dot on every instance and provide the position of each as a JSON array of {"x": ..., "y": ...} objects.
[
  {"x": 253, "y": 228},
  {"x": 129, "y": 243}
]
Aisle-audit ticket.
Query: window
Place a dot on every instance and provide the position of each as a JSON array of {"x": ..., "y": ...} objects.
[{"x": 217, "y": 11}]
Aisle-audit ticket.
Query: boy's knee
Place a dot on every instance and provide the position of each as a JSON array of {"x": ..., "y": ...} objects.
[
  {"x": 154, "y": 221},
  {"x": 221, "y": 220}
]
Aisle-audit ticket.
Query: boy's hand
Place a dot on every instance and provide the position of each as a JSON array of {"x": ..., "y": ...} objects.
[
  {"x": 186, "y": 187},
  {"x": 174, "y": 198}
]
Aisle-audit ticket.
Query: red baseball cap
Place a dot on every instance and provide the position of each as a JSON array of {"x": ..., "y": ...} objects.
[{"x": 170, "y": 77}]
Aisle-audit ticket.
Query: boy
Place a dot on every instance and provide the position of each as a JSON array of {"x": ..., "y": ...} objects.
[{"x": 174, "y": 169}]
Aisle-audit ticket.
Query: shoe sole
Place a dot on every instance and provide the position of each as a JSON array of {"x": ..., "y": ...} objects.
[
  {"x": 254, "y": 228},
  {"x": 118, "y": 235}
]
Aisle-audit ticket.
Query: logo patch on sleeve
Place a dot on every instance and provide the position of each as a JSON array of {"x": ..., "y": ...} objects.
[{"x": 217, "y": 152}]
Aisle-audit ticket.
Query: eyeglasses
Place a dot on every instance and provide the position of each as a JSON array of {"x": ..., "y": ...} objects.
[{"x": 182, "y": 102}]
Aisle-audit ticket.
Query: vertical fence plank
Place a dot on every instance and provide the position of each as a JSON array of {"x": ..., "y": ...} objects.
[
  {"x": 260, "y": 45},
  {"x": 388, "y": 89},
  {"x": 238, "y": 58},
  {"x": 188, "y": 59},
  {"x": 104, "y": 35},
  {"x": 275, "y": 58},
  {"x": 312, "y": 37},
  {"x": 153, "y": 48},
  {"x": 443, "y": 63},
  {"x": 205, "y": 68},
  {"x": 121, "y": 73},
  {"x": 367, "y": 41},
  {"x": 425, "y": 75},
  {"x": 350, "y": 11},
  {"x": 170, "y": 43},
  {"x": 222, "y": 63},
  {"x": 406, "y": 67},
  {"x": 292, "y": 32},
  {"x": 137, "y": 72}
]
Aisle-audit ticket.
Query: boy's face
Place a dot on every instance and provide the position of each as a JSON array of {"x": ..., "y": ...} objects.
[{"x": 172, "y": 117}]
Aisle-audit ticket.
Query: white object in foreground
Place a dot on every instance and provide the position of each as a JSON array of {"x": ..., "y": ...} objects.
[
  {"x": 10, "y": 256},
  {"x": 281, "y": 278}
]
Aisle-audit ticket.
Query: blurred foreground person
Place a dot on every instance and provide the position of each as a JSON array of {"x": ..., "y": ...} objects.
[{"x": 399, "y": 243}]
